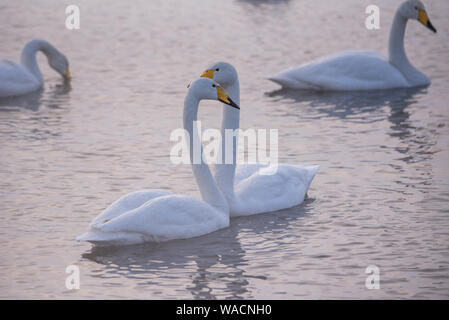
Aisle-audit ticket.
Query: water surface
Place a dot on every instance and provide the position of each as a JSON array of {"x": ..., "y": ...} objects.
[{"x": 381, "y": 196}]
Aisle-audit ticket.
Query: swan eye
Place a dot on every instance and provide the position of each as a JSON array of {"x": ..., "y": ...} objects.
[
  {"x": 214, "y": 85},
  {"x": 218, "y": 69},
  {"x": 416, "y": 8}
]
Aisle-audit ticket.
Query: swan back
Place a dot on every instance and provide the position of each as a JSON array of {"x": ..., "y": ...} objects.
[
  {"x": 169, "y": 217},
  {"x": 347, "y": 70}
]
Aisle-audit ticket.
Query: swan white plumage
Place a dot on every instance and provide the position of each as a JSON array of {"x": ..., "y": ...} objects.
[
  {"x": 364, "y": 70},
  {"x": 245, "y": 186},
  {"x": 159, "y": 215},
  {"x": 18, "y": 79}
]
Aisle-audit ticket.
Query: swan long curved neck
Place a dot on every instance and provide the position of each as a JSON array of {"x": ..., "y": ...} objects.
[
  {"x": 397, "y": 55},
  {"x": 28, "y": 56},
  {"x": 396, "y": 44},
  {"x": 204, "y": 179},
  {"x": 224, "y": 172}
]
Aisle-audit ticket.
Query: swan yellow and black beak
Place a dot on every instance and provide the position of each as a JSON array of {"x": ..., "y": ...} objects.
[
  {"x": 67, "y": 74},
  {"x": 424, "y": 19},
  {"x": 223, "y": 97},
  {"x": 208, "y": 74}
]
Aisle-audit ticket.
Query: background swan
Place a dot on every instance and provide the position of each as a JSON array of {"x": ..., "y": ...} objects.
[
  {"x": 159, "y": 215},
  {"x": 247, "y": 190},
  {"x": 18, "y": 79},
  {"x": 364, "y": 70}
]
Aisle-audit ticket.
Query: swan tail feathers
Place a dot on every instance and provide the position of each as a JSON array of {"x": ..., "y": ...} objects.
[
  {"x": 310, "y": 173},
  {"x": 281, "y": 80},
  {"x": 287, "y": 82},
  {"x": 312, "y": 170}
]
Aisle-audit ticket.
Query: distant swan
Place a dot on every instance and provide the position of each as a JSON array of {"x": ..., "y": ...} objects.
[
  {"x": 18, "y": 79},
  {"x": 246, "y": 188},
  {"x": 159, "y": 215},
  {"x": 364, "y": 70}
]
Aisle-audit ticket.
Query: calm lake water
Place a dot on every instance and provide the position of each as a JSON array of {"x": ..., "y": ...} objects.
[{"x": 381, "y": 196}]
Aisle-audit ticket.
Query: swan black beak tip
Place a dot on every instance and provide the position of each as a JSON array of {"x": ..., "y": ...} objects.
[
  {"x": 431, "y": 27},
  {"x": 233, "y": 104}
]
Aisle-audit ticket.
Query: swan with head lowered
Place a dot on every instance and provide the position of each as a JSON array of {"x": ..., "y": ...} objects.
[
  {"x": 247, "y": 187},
  {"x": 159, "y": 215},
  {"x": 21, "y": 78},
  {"x": 364, "y": 70}
]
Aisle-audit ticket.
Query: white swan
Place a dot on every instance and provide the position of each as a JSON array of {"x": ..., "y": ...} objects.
[
  {"x": 18, "y": 79},
  {"x": 159, "y": 215},
  {"x": 246, "y": 188},
  {"x": 364, "y": 70}
]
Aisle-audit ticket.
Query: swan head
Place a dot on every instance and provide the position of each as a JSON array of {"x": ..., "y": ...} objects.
[
  {"x": 60, "y": 64},
  {"x": 414, "y": 9},
  {"x": 208, "y": 89},
  {"x": 222, "y": 72}
]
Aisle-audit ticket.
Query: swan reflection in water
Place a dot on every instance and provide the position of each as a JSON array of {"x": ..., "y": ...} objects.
[
  {"x": 52, "y": 97},
  {"x": 417, "y": 140},
  {"x": 367, "y": 107},
  {"x": 218, "y": 265},
  {"x": 39, "y": 115},
  {"x": 363, "y": 107},
  {"x": 351, "y": 105}
]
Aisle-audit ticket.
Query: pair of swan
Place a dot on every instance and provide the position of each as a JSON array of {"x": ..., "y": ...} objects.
[
  {"x": 19, "y": 79},
  {"x": 159, "y": 215},
  {"x": 364, "y": 70}
]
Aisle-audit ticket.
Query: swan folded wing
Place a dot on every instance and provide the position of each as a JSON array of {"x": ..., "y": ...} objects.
[
  {"x": 15, "y": 79},
  {"x": 349, "y": 70},
  {"x": 245, "y": 170},
  {"x": 127, "y": 203},
  {"x": 284, "y": 189},
  {"x": 169, "y": 217}
]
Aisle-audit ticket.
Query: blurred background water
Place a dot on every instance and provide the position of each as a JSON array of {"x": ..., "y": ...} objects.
[{"x": 381, "y": 196}]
